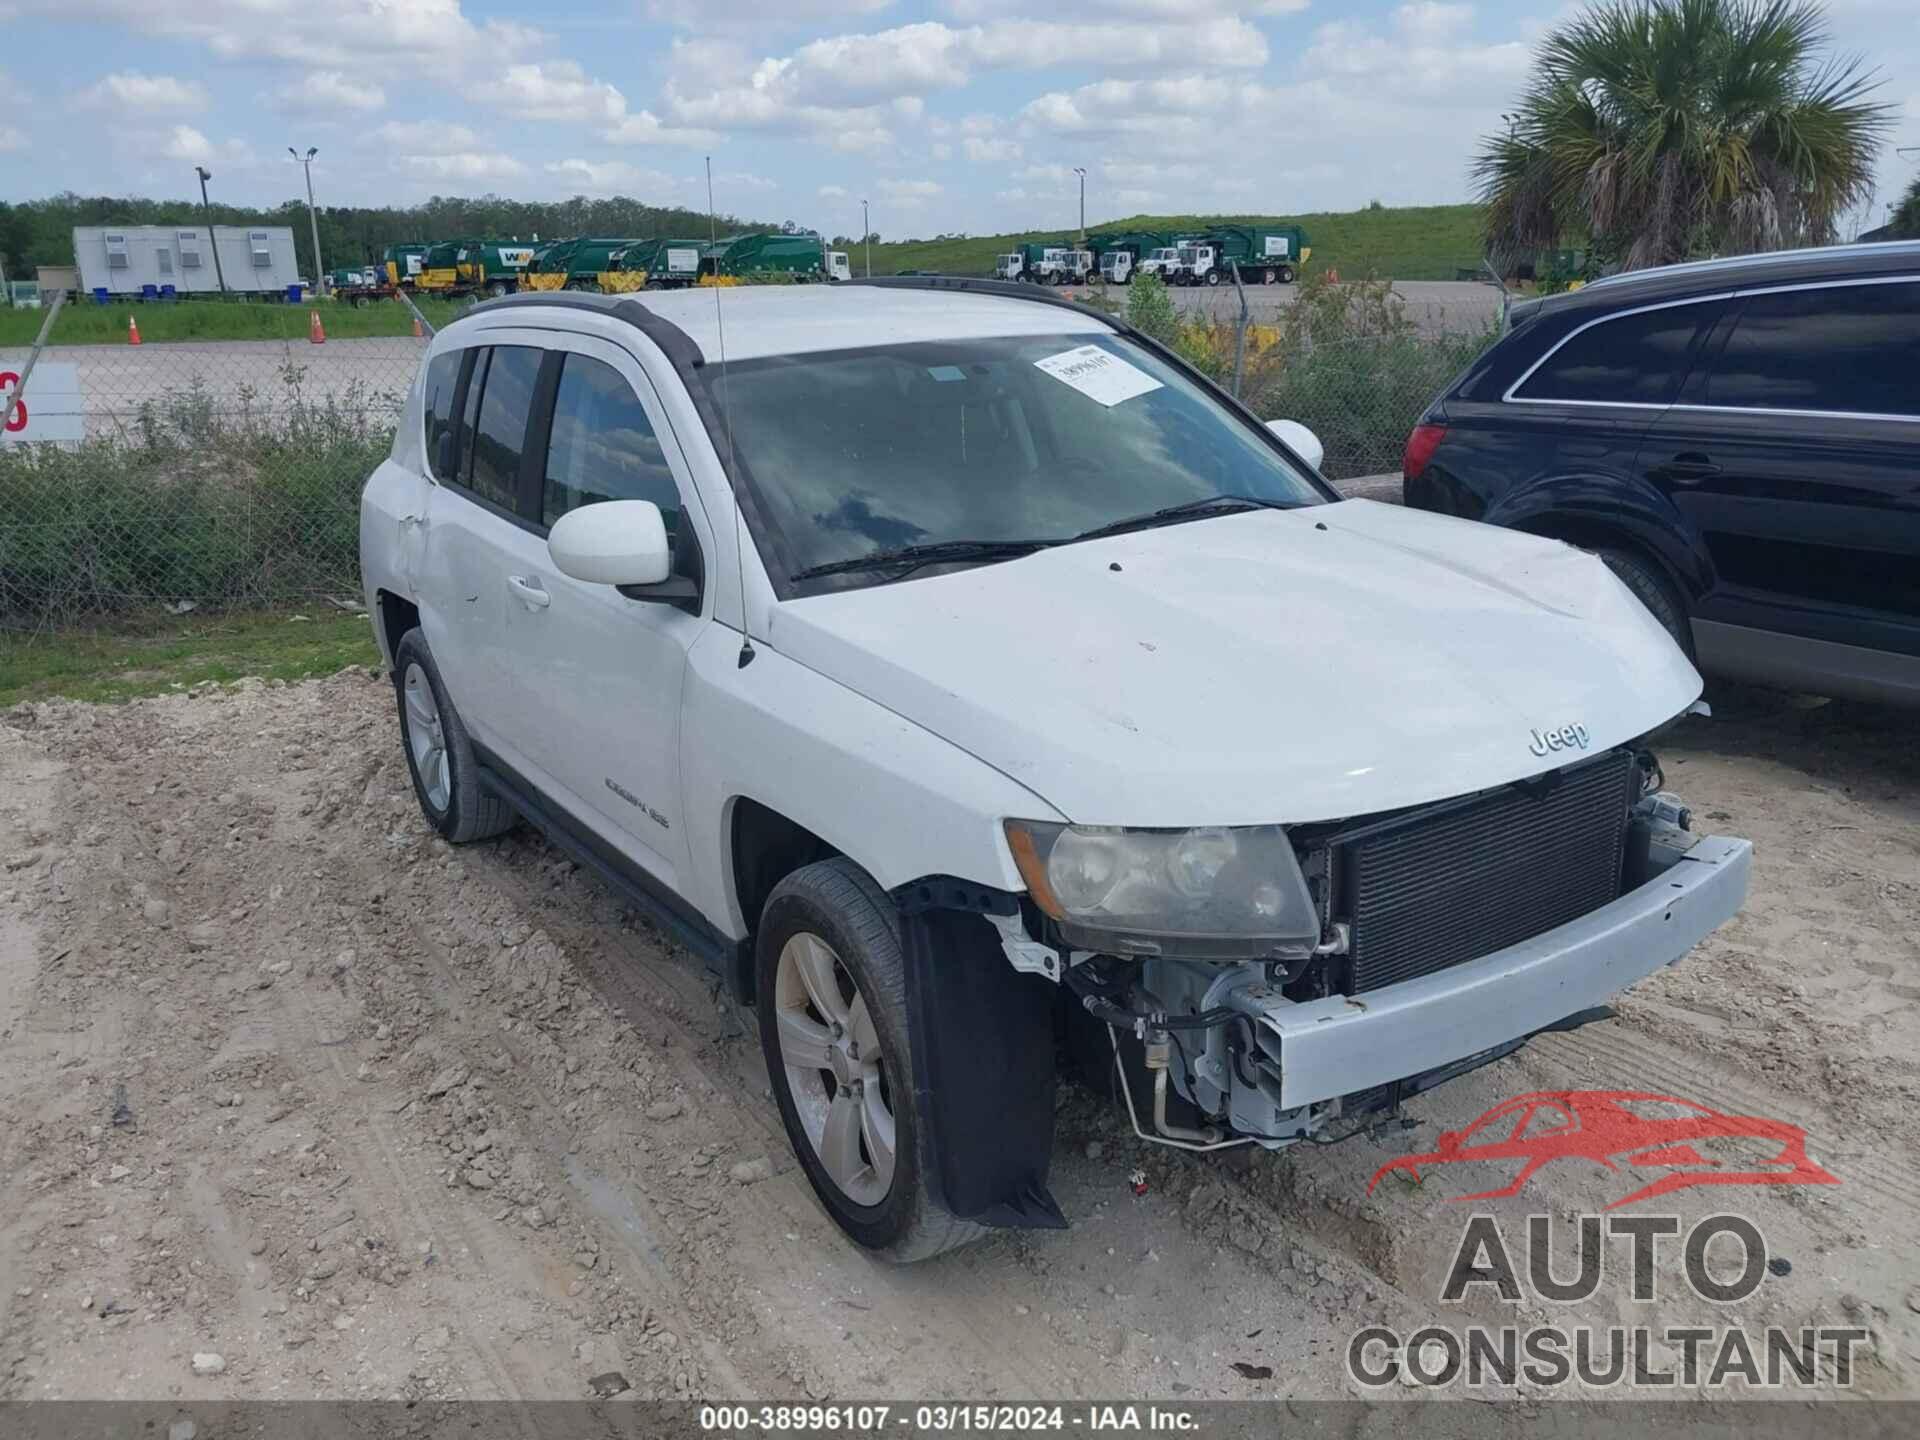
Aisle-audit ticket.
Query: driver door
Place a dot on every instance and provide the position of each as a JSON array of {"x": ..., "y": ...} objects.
[{"x": 597, "y": 677}]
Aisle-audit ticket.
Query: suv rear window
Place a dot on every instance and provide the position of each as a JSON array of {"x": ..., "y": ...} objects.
[
  {"x": 1852, "y": 348},
  {"x": 1640, "y": 358},
  {"x": 443, "y": 380}
]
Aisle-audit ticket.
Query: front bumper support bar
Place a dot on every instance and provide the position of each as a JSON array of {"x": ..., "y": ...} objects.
[{"x": 1344, "y": 1043}]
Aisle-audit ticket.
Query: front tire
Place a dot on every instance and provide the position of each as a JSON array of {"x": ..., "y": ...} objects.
[
  {"x": 833, "y": 1026},
  {"x": 446, "y": 778}
]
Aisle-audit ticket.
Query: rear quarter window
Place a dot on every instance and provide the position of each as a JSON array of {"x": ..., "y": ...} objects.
[
  {"x": 443, "y": 381},
  {"x": 1638, "y": 358}
]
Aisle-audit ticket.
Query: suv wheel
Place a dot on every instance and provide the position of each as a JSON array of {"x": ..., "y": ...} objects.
[
  {"x": 439, "y": 754},
  {"x": 833, "y": 1024},
  {"x": 1650, "y": 587}
]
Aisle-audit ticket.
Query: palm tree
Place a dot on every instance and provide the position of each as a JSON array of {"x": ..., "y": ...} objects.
[
  {"x": 1663, "y": 129},
  {"x": 1905, "y": 219}
]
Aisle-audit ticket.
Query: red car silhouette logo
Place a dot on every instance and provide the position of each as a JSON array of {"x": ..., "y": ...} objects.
[{"x": 1632, "y": 1130}]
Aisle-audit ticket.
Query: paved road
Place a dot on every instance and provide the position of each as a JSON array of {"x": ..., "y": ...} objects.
[
  {"x": 233, "y": 379},
  {"x": 241, "y": 378},
  {"x": 1436, "y": 306}
]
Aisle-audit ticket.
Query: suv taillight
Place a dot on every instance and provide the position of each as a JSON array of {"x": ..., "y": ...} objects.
[{"x": 1421, "y": 444}]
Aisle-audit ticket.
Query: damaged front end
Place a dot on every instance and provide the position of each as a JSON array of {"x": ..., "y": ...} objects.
[{"x": 1414, "y": 946}]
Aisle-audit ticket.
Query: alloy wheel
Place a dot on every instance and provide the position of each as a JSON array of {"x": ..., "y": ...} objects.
[
  {"x": 427, "y": 739},
  {"x": 835, "y": 1070}
]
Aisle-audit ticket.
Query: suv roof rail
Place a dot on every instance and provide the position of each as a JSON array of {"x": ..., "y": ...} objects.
[
  {"x": 1759, "y": 259},
  {"x": 1006, "y": 289}
]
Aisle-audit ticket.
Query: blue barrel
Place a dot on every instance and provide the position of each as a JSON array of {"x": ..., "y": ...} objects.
[{"x": 293, "y": 294}]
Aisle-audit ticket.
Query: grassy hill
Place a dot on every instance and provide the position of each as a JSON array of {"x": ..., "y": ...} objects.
[{"x": 1428, "y": 242}]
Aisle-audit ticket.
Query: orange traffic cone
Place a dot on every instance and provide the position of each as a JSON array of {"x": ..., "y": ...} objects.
[
  {"x": 133, "y": 331},
  {"x": 418, "y": 333},
  {"x": 1333, "y": 276},
  {"x": 316, "y": 332}
]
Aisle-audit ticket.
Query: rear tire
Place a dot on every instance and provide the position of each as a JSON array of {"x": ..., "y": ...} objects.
[
  {"x": 830, "y": 973},
  {"x": 1286, "y": 274},
  {"x": 446, "y": 778}
]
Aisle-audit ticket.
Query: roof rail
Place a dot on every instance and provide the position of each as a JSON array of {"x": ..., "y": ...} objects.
[
  {"x": 1006, "y": 289},
  {"x": 1760, "y": 258}
]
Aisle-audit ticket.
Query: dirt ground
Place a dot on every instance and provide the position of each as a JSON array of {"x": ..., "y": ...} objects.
[{"x": 295, "y": 1101}]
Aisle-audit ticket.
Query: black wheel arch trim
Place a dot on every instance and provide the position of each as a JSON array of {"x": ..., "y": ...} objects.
[{"x": 1603, "y": 510}]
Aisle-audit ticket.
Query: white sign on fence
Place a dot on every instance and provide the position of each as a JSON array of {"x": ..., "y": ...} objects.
[{"x": 51, "y": 409}]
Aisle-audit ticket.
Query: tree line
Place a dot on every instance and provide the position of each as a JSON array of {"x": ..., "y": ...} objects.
[{"x": 40, "y": 232}]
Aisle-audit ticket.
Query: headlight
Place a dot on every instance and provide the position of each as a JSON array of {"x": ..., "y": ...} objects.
[{"x": 1228, "y": 894}]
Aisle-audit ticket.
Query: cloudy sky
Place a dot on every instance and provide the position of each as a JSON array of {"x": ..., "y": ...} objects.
[{"x": 944, "y": 114}]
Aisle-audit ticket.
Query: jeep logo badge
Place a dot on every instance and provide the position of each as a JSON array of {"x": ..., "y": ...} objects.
[{"x": 1567, "y": 737}]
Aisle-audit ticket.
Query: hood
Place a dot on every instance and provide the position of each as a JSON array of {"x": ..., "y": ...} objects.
[{"x": 1271, "y": 666}]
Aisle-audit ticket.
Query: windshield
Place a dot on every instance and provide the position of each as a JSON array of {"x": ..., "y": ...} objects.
[{"x": 1022, "y": 438}]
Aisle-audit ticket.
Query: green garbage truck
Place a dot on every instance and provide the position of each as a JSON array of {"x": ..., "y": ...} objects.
[{"x": 1265, "y": 255}]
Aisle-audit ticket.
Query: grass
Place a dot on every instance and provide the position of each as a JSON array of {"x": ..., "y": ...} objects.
[
  {"x": 159, "y": 655},
  {"x": 1428, "y": 242},
  {"x": 88, "y": 324}
]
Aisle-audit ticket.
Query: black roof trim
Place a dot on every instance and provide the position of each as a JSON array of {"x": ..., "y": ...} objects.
[
  {"x": 1700, "y": 279},
  {"x": 678, "y": 346}
]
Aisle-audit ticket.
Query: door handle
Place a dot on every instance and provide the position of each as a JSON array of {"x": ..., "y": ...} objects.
[
  {"x": 528, "y": 592},
  {"x": 412, "y": 522},
  {"x": 1687, "y": 468}
]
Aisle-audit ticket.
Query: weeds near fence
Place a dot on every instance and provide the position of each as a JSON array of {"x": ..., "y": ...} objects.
[
  {"x": 192, "y": 504},
  {"x": 1346, "y": 361}
]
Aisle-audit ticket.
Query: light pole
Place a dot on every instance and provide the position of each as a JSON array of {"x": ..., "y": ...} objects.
[
  {"x": 866, "y": 237},
  {"x": 313, "y": 217},
  {"x": 213, "y": 240},
  {"x": 1078, "y": 170}
]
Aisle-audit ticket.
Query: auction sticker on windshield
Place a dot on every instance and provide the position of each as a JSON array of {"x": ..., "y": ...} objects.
[{"x": 1098, "y": 374}]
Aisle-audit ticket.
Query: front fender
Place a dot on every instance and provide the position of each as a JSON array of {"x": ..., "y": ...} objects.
[
  {"x": 890, "y": 795},
  {"x": 1578, "y": 507}
]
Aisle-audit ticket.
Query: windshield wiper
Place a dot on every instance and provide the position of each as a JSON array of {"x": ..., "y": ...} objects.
[
  {"x": 912, "y": 557},
  {"x": 1186, "y": 509}
]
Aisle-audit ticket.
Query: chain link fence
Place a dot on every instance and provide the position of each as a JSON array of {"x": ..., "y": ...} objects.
[
  {"x": 191, "y": 476},
  {"x": 216, "y": 474}
]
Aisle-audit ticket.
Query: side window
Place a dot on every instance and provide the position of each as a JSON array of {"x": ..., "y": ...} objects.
[
  {"x": 1849, "y": 348},
  {"x": 443, "y": 379},
  {"x": 603, "y": 446},
  {"x": 1637, "y": 359},
  {"x": 499, "y": 433}
]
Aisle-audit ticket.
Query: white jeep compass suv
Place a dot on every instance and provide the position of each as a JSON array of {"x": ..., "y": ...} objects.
[{"x": 960, "y": 674}]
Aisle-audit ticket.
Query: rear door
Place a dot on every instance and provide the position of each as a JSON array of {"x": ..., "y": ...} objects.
[
  {"x": 1795, "y": 454},
  {"x": 474, "y": 520}
]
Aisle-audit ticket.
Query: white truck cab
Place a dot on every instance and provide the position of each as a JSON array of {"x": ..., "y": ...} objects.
[
  {"x": 838, "y": 267},
  {"x": 1116, "y": 267},
  {"x": 1010, "y": 267},
  {"x": 1164, "y": 262},
  {"x": 1041, "y": 691}
]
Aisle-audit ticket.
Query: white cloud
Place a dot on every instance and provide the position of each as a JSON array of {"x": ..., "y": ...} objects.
[
  {"x": 425, "y": 137},
  {"x": 1117, "y": 10},
  {"x": 982, "y": 152},
  {"x": 349, "y": 35},
  {"x": 463, "y": 165},
  {"x": 743, "y": 180},
  {"x": 832, "y": 192},
  {"x": 646, "y": 128},
  {"x": 612, "y": 177},
  {"x": 328, "y": 92},
  {"x": 908, "y": 194},
  {"x": 756, "y": 14},
  {"x": 554, "y": 90},
  {"x": 11, "y": 91},
  {"x": 147, "y": 94},
  {"x": 183, "y": 142},
  {"x": 12, "y": 139}
]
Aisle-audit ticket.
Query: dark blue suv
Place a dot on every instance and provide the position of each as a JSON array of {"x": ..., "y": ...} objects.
[{"x": 1739, "y": 439}]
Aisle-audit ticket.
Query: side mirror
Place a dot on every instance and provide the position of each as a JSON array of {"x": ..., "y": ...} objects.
[
  {"x": 617, "y": 542},
  {"x": 1302, "y": 441}
]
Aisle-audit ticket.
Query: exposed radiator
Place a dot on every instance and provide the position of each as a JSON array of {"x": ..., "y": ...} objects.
[{"x": 1453, "y": 882}]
